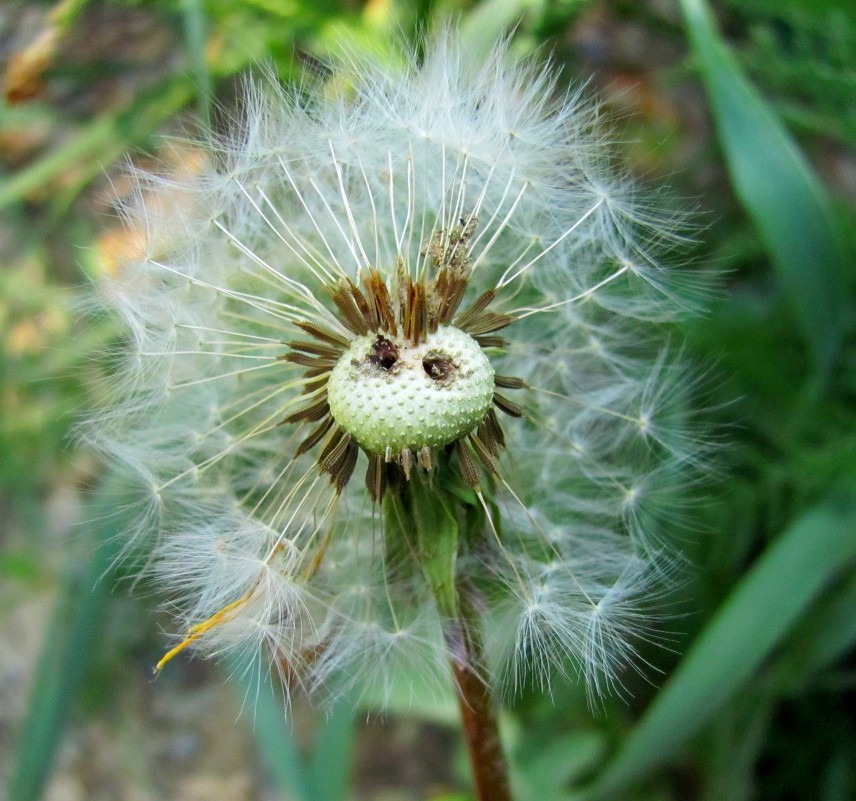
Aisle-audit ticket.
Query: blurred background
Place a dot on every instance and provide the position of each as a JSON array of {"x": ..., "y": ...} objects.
[{"x": 744, "y": 108}]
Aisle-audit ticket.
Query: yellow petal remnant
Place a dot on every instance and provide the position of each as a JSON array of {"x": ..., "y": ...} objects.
[{"x": 195, "y": 632}]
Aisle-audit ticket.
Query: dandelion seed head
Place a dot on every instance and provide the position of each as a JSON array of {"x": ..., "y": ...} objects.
[
  {"x": 391, "y": 395},
  {"x": 435, "y": 276}
]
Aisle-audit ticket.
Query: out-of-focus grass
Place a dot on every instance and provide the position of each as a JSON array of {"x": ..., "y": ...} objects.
[
  {"x": 774, "y": 655},
  {"x": 71, "y": 638},
  {"x": 320, "y": 774},
  {"x": 763, "y": 608},
  {"x": 778, "y": 189}
]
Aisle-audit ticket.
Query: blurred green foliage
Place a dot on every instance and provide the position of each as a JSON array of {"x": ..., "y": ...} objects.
[
  {"x": 803, "y": 56},
  {"x": 758, "y": 707}
]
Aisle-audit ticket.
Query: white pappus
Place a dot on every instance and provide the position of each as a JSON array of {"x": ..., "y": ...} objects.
[{"x": 422, "y": 272}]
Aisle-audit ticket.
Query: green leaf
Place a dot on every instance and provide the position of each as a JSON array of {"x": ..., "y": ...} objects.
[
  {"x": 823, "y": 638},
  {"x": 67, "y": 654},
  {"x": 778, "y": 188},
  {"x": 490, "y": 21},
  {"x": 759, "y": 613},
  {"x": 413, "y": 695},
  {"x": 329, "y": 766},
  {"x": 275, "y": 740},
  {"x": 546, "y": 771},
  {"x": 323, "y": 773}
]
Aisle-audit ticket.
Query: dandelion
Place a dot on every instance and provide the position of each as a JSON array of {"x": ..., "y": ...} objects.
[{"x": 392, "y": 391}]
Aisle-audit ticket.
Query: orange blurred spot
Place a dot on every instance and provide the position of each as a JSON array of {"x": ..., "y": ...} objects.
[
  {"x": 24, "y": 71},
  {"x": 118, "y": 247}
]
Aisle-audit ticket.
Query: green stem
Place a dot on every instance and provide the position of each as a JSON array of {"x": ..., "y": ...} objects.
[{"x": 432, "y": 521}]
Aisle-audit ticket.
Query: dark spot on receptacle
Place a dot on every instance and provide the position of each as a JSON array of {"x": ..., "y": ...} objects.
[
  {"x": 437, "y": 366},
  {"x": 384, "y": 354}
]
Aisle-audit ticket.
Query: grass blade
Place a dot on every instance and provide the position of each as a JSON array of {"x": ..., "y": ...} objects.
[
  {"x": 754, "y": 619},
  {"x": 102, "y": 141},
  {"x": 490, "y": 21},
  {"x": 823, "y": 638},
  {"x": 66, "y": 658},
  {"x": 321, "y": 774},
  {"x": 330, "y": 761},
  {"x": 277, "y": 745},
  {"x": 778, "y": 188},
  {"x": 195, "y": 28}
]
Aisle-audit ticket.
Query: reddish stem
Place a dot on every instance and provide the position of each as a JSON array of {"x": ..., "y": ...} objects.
[{"x": 478, "y": 715}]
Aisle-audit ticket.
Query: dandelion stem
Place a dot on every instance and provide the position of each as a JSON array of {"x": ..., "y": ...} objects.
[
  {"x": 430, "y": 518},
  {"x": 478, "y": 713}
]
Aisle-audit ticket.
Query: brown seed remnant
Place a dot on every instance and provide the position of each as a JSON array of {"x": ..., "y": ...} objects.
[
  {"x": 438, "y": 366},
  {"x": 384, "y": 354}
]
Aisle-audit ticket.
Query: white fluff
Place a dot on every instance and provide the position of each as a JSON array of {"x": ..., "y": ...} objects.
[{"x": 315, "y": 185}]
